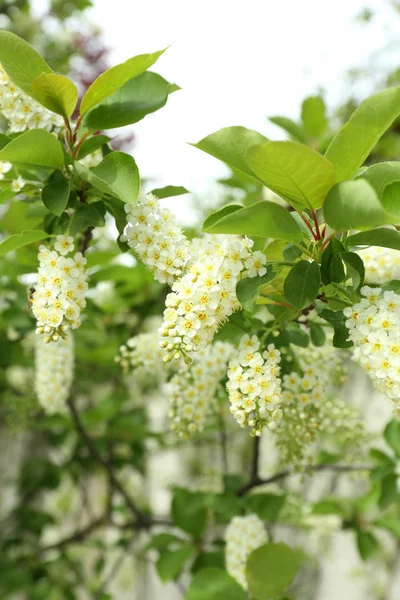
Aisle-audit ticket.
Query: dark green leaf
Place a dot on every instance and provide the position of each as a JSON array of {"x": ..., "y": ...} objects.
[
  {"x": 317, "y": 334},
  {"x": 302, "y": 284},
  {"x": 367, "y": 544},
  {"x": 162, "y": 541},
  {"x": 270, "y": 570},
  {"x": 88, "y": 216},
  {"x": 209, "y": 559},
  {"x": 355, "y": 268},
  {"x": 248, "y": 289},
  {"x": 296, "y": 335},
  {"x": 392, "y": 436},
  {"x": 171, "y": 563},
  {"x": 388, "y": 491},
  {"x": 214, "y": 584},
  {"x": 332, "y": 268},
  {"x": 188, "y": 512},
  {"x": 55, "y": 193},
  {"x": 92, "y": 144},
  {"x": 266, "y": 506},
  {"x": 337, "y": 320},
  {"x": 390, "y": 524},
  {"x": 388, "y": 238}
]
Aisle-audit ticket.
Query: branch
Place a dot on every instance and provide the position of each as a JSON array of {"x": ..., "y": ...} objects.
[
  {"x": 142, "y": 520},
  {"x": 78, "y": 536},
  {"x": 310, "y": 469}
]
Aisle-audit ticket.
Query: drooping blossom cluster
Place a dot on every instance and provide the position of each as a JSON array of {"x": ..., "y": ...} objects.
[
  {"x": 21, "y": 111},
  {"x": 254, "y": 385},
  {"x": 143, "y": 352},
  {"x": 242, "y": 536},
  {"x": 374, "y": 329},
  {"x": 194, "y": 390},
  {"x": 381, "y": 264},
  {"x": 154, "y": 234},
  {"x": 310, "y": 406},
  {"x": 203, "y": 299},
  {"x": 59, "y": 294},
  {"x": 54, "y": 367}
]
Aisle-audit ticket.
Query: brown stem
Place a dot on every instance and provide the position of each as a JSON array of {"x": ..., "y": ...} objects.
[
  {"x": 317, "y": 231},
  {"x": 328, "y": 239},
  {"x": 85, "y": 241},
  {"x": 79, "y": 144},
  {"x": 307, "y": 223}
]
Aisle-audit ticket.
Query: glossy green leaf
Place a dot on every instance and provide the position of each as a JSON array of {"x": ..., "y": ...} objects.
[
  {"x": 387, "y": 238},
  {"x": 302, "y": 284},
  {"x": 313, "y": 116},
  {"x": 35, "y": 147},
  {"x": 332, "y": 268},
  {"x": 55, "y": 193},
  {"x": 367, "y": 544},
  {"x": 295, "y": 172},
  {"x": 230, "y": 145},
  {"x": 248, "y": 289},
  {"x": 391, "y": 200},
  {"x": 355, "y": 269},
  {"x": 290, "y": 126},
  {"x": 188, "y": 512},
  {"x": 113, "y": 79},
  {"x": 91, "y": 144},
  {"x": 337, "y": 320},
  {"x": 354, "y": 142},
  {"x": 21, "y": 62},
  {"x": 171, "y": 563},
  {"x": 214, "y": 584},
  {"x": 317, "y": 334},
  {"x": 19, "y": 240},
  {"x": 169, "y": 191},
  {"x": 264, "y": 219},
  {"x": 91, "y": 215},
  {"x": 56, "y": 92},
  {"x": 354, "y": 205},
  {"x": 270, "y": 570},
  {"x": 139, "y": 97}
]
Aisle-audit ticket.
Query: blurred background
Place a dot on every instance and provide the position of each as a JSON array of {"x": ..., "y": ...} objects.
[{"x": 237, "y": 64}]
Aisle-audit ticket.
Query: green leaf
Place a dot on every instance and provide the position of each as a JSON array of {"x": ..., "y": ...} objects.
[
  {"x": 390, "y": 200},
  {"x": 248, "y": 289},
  {"x": 353, "y": 143},
  {"x": 264, "y": 219},
  {"x": 171, "y": 563},
  {"x": 367, "y": 544},
  {"x": 216, "y": 216},
  {"x": 230, "y": 145},
  {"x": 266, "y": 506},
  {"x": 56, "y": 92},
  {"x": 355, "y": 268},
  {"x": 392, "y": 525},
  {"x": 21, "y": 62},
  {"x": 214, "y": 584},
  {"x": 92, "y": 144},
  {"x": 388, "y": 238},
  {"x": 296, "y": 335},
  {"x": 162, "y": 541},
  {"x": 6, "y": 195},
  {"x": 88, "y": 216},
  {"x": 317, "y": 334},
  {"x": 295, "y": 172},
  {"x": 332, "y": 268},
  {"x": 290, "y": 126},
  {"x": 209, "y": 559},
  {"x": 313, "y": 116},
  {"x": 55, "y": 193},
  {"x": 35, "y": 147},
  {"x": 389, "y": 492},
  {"x": 18, "y": 240},
  {"x": 337, "y": 320},
  {"x": 169, "y": 191},
  {"x": 139, "y": 97},
  {"x": 113, "y": 79},
  {"x": 302, "y": 284},
  {"x": 116, "y": 175},
  {"x": 354, "y": 205},
  {"x": 392, "y": 436},
  {"x": 270, "y": 570},
  {"x": 188, "y": 512}
]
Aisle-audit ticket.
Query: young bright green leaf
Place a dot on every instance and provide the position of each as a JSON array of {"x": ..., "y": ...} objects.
[
  {"x": 367, "y": 544},
  {"x": 290, "y": 126},
  {"x": 214, "y": 584},
  {"x": 21, "y": 62},
  {"x": 296, "y": 172},
  {"x": 230, "y": 145},
  {"x": 171, "y": 562},
  {"x": 139, "y": 97},
  {"x": 169, "y": 191},
  {"x": 270, "y": 570},
  {"x": 353, "y": 143},
  {"x": 248, "y": 289},
  {"x": 354, "y": 205},
  {"x": 387, "y": 238},
  {"x": 91, "y": 144},
  {"x": 313, "y": 116},
  {"x": 55, "y": 193},
  {"x": 218, "y": 215},
  {"x": 6, "y": 195},
  {"x": 302, "y": 284},
  {"x": 392, "y": 436},
  {"x": 264, "y": 219},
  {"x": 19, "y": 240},
  {"x": 113, "y": 79},
  {"x": 391, "y": 200},
  {"x": 34, "y": 147},
  {"x": 55, "y": 92}
]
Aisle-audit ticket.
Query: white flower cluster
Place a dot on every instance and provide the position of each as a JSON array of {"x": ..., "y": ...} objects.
[
  {"x": 193, "y": 391},
  {"x": 155, "y": 236},
  {"x": 242, "y": 536},
  {"x": 21, "y": 111},
  {"x": 374, "y": 329},
  {"x": 59, "y": 295},
  {"x": 54, "y": 366},
  {"x": 254, "y": 386},
  {"x": 381, "y": 264},
  {"x": 202, "y": 300},
  {"x": 144, "y": 351}
]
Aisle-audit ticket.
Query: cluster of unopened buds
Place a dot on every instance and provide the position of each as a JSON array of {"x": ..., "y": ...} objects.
[
  {"x": 194, "y": 390},
  {"x": 21, "y": 111},
  {"x": 381, "y": 264},
  {"x": 59, "y": 295},
  {"x": 374, "y": 329},
  {"x": 254, "y": 385},
  {"x": 242, "y": 536},
  {"x": 54, "y": 367},
  {"x": 143, "y": 351}
]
